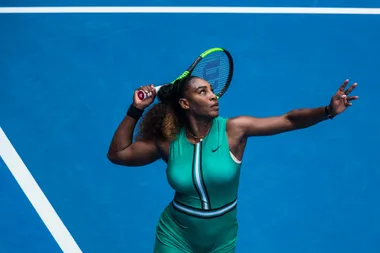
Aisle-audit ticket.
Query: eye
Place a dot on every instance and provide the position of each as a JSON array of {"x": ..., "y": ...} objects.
[{"x": 202, "y": 92}]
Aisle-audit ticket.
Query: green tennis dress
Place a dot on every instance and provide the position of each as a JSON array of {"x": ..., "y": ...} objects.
[{"x": 205, "y": 177}]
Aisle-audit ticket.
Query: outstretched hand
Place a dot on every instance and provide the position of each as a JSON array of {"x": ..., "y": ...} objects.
[{"x": 341, "y": 101}]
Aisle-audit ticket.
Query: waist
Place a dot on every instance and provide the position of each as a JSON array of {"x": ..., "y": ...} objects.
[{"x": 205, "y": 213}]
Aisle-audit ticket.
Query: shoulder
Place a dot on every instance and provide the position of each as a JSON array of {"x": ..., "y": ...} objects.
[
  {"x": 220, "y": 123},
  {"x": 228, "y": 122},
  {"x": 221, "y": 119},
  {"x": 241, "y": 121},
  {"x": 235, "y": 126},
  {"x": 233, "y": 122},
  {"x": 231, "y": 125}
]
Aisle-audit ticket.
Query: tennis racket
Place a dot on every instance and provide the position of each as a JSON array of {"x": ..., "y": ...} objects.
[{"x": 215, "y": 65}]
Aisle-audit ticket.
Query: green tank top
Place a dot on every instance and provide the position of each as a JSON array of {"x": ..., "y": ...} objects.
[{"x": 204, "y": 175}]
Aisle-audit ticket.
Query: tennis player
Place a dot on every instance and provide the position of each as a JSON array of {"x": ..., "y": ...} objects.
[{"x": 203, "y": 152}]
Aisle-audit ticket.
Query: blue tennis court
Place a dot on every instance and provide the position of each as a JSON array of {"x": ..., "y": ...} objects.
[{"x": 67, "y": 79}]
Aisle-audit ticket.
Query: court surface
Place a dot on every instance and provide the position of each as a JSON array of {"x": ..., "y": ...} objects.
[{"x": 66, "y": 81}]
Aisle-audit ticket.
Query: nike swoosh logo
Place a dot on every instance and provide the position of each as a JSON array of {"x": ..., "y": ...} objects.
[{"x": 214, "y": 150}]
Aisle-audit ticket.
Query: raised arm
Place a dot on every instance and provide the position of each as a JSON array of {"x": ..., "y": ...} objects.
[
  {"x": 122, "y": 150},
  {"x": 294, "y": 119}
]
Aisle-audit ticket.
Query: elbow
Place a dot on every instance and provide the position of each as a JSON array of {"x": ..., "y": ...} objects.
[
  {"x": 294, "y": 120},
  {"x": 112, "y": 157},
  {"x": 290, "y": 122},
  {"x": 118, "y": 159},
  {"x": 291, "y": 116}
]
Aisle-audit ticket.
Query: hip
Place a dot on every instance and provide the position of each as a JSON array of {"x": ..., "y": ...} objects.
[{"x": 196, "y": 234}]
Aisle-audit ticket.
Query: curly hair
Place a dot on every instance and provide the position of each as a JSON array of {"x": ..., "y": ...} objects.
[{"x": 164, "y": 120}]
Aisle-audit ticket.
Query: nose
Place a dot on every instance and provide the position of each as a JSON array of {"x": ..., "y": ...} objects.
[{"x": 212, "y": 96}]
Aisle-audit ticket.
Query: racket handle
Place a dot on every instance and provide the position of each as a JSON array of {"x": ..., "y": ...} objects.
[{"x": 142, "y": 95}]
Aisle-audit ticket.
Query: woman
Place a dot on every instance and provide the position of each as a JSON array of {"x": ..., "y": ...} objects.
[{"x": 203, "y": 152}]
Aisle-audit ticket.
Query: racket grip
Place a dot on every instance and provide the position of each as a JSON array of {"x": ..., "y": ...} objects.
[{"x": 142, "y": 95}]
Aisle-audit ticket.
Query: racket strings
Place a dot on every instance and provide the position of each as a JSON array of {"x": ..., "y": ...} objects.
[{"x": 216, "y": 69}]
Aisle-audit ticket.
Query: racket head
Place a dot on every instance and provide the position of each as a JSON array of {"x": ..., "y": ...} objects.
[{"x": 214, "y": 66}]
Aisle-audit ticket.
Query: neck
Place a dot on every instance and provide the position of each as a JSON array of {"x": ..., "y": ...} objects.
[{"x": 197, "y": 129}]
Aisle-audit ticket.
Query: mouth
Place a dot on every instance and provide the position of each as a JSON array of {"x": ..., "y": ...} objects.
[{"x": 216, "y": 105}]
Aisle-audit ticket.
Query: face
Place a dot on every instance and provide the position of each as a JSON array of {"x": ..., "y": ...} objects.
[{"x": 200, "y": 99}]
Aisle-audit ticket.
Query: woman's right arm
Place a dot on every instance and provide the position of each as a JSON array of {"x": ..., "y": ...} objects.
[{"x": 122, "y": 150}]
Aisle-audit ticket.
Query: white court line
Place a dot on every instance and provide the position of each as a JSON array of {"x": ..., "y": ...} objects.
[
  {"x": 36, "y": 196},
  {"x": 206, "y": 9}
]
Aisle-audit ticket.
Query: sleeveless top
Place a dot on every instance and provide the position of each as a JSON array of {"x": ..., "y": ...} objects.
[{"x": 205, "y": 176}]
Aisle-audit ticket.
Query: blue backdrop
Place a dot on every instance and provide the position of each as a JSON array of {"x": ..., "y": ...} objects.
[{"x": 66, "y": 81}]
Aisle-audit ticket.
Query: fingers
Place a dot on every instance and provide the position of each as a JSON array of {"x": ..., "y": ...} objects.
[
  {"x": 342, "y": 93},
  {"x": 145, "y": 88},
  {"x": 149, "y": 90},
  {"x": 348, "y": 99},
  {"x": 352, "y": 98},
  {"x": 152, "y": 90},
  {"x": 343, "y": 86},
  {"x": 349, "y": 90},
  {"x": 342, "y": 99}
]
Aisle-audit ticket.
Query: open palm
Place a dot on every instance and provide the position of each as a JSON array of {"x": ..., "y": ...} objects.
[{"x": 341, "y": 101}]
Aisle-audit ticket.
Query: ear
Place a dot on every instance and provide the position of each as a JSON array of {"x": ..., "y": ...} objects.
[{"x": 184, "y": 103}]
